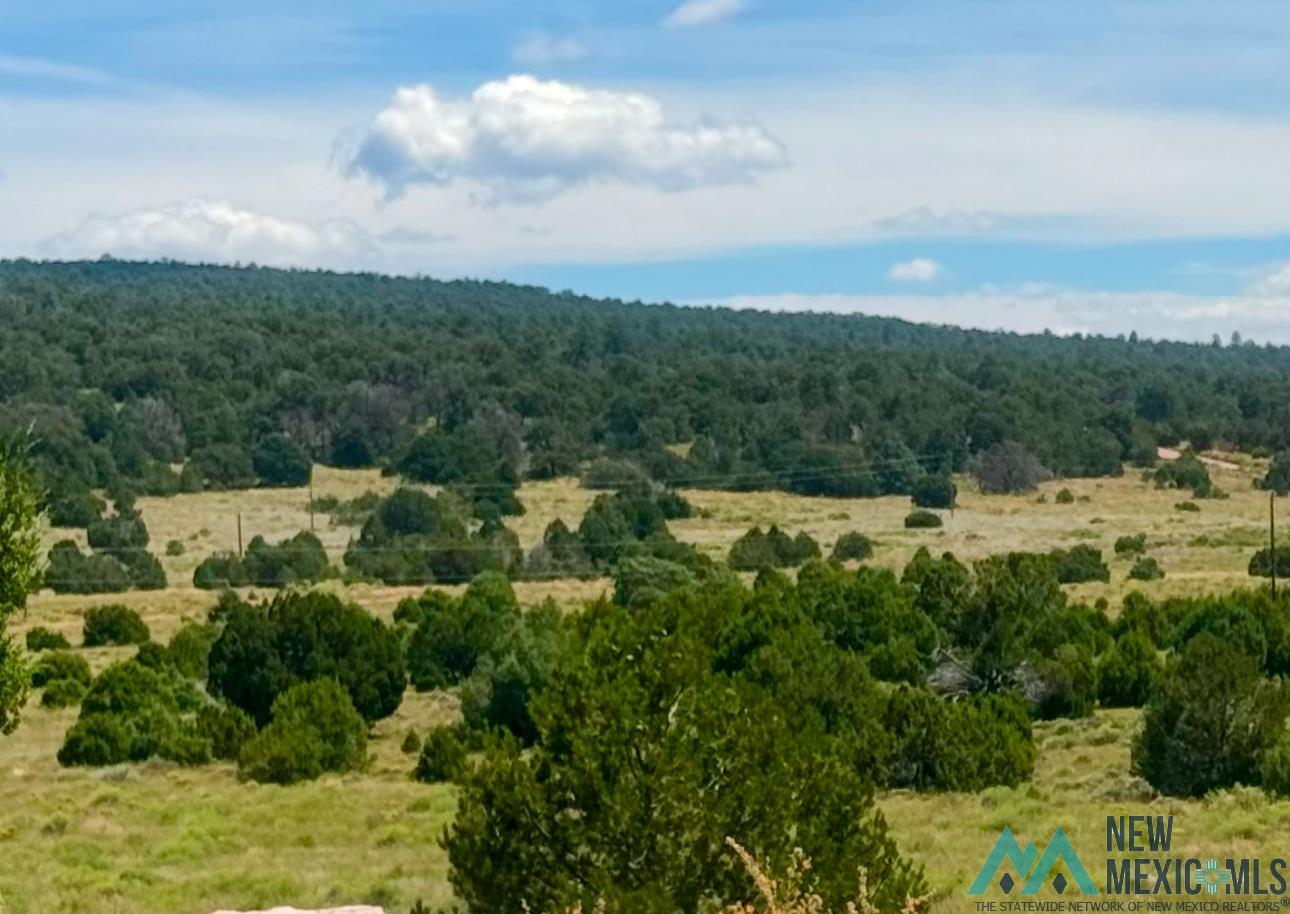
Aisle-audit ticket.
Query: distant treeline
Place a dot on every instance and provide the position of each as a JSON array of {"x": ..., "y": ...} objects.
[{"x": 164, "y": 377}]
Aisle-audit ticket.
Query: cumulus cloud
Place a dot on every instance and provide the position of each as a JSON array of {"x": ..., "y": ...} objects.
[
  {"x": 524, "y": 138},
  {"x": 702, "y": 12},
  {"x": 215, "y": 231},
  {"x": 539, "y": 49},
  {"x": 920, "y": 269}
]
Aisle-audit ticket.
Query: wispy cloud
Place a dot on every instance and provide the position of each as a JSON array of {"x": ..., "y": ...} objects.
[
  {"x": 695, "y": 13},
  {"x": 540, "y": 49}
]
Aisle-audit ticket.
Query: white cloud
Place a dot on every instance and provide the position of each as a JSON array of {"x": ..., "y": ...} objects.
[
  {"x": 215, "y": 231},
  {"x": 920, "y": 269},
  {"x": 702, "y": 12},
  {"x": 540, "y": 49},
  {"x": 1275, "y": 280},
  {"x": 523, "y": 138}
]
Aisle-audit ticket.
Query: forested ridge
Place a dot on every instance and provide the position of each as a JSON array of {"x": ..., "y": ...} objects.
[{"x": 125, "y": 371}]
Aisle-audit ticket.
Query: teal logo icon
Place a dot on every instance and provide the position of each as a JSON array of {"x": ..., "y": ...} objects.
[{"x": 1032, "y": 867}]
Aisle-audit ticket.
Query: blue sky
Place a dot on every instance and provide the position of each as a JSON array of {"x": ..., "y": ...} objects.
[{"x": 1088, "y": 166}]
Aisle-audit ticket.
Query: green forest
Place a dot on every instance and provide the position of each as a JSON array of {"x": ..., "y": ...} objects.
[{"x": 152, "y": 378}]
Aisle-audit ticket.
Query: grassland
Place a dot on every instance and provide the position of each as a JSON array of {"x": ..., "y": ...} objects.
[{"x": 156, "y": 838}]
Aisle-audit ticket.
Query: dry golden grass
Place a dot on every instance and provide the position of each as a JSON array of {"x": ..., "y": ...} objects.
[{"x": 156, "y": 838}]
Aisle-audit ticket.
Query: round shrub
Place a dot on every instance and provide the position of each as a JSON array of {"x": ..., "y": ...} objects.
[
  {"x": 935, "y": 492},
  {"x": 923, "y": 520},
  {"x": 63, "y": 693},
  {"x": 1128, "y": 671},
  {"x": 174, "y": 548},
  {"x": 96, "y": 740},
  {"x": 1065, "y": 497},
  {"x": 190, "y": 647},
  {"x": 1146, "y": 569},
  {"x": 61, "y": 665},
  {"x": 315, "y": 730},
  {"x": 442, "y": 759},
  {"x": 305, "y": 636},
  {"x": 1131, "y": 545},
  {"x": 115, "y": 624},
  {"x": 1210, "y": 721},
  {"x": 852, "y": 547},
  {"x": 220, "y": 571},
  {"x": 44, "y": 639},
  {"x": 227, "y": 728}
]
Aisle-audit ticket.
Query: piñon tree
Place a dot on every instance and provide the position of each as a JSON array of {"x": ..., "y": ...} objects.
[{"x": 19, "y": 571}]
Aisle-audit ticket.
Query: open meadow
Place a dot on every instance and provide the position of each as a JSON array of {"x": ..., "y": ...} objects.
[{"x": 161, "y": 838}]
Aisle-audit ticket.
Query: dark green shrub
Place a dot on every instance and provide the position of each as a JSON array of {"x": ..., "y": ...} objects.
[
  {"x": 114, "y": 624},
  {"x": 1065, "y": 684},
  {"x": 132, "y": 713},
  {"x": 442, "y": 759},
  {"x": 260, "y": 653},
  {"x": 77, "y": 509},
  {"x": 63, "y": 693},
  {"x": 453, "y": 637},
  {"x": 279, "y": 461},
  {"x": 174, "y": 548},
  {"x": 898, "y": 660},
  {"x": 97, "y": 740},
  {"x": 852, "y": 547},
  {"x": 1128, "y": 672},
  {"x": 227, "y": 728},
  {"x": 118, "y": 533},
  {"x": 640, "y": 579},
  {"x": 967, "y": 745},
  {"x": 1187, "y": 506},
  {"x": 1187, "y": 472},
  {"x": 1080, "y": 564},
  {"x": 1261, "y": 563},
  {"x": 1146, "y": 569},
  {"x": 923, "y": 520},
  {"x": 1131, "y": 545},
  {"x": 1210, "y": 721},
  {"x": 515, "y": 670},
  {"x": 61, "y": 665},
  {"x": 144, "y": 569},
  {"x": 773, "y": 549},
  {"x": 314, "y": 730},
  {"x": 70, "y": 571},
  {"x": 937, "y": 492},
  {"x": 1274, "y": 767},
  {"x": 44, "y": 639},
  {"x": 221, "y": 571},
  {"x": 1065, "y": 497}
]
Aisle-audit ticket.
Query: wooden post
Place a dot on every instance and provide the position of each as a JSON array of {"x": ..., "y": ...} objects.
[
  {"x": 239, "y": 534},
  {"x": 311, "y": 500}
]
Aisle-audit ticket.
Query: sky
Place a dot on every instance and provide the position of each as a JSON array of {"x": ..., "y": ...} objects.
[{"x": 1101, "y": 166}]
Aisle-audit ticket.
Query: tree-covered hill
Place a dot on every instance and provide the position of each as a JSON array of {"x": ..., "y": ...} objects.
[{"x": 242, "y": 375}]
